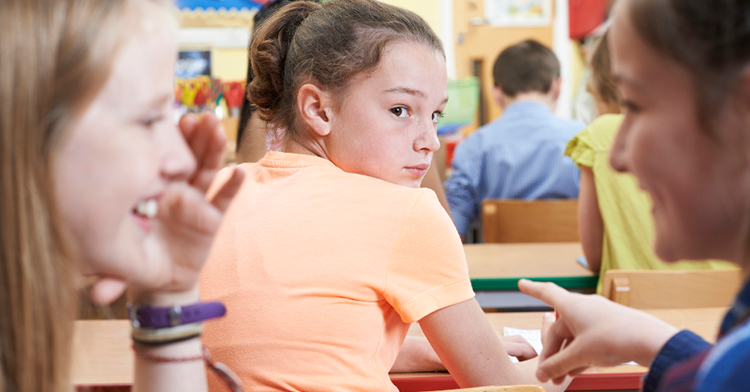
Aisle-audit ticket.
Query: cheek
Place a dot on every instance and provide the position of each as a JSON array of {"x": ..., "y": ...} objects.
[{"x": 97, "y": 184}]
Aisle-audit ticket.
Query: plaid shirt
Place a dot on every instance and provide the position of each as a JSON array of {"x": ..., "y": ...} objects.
[{"x": 688, "y": 363}]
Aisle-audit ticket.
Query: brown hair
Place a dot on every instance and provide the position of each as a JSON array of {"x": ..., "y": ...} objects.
[
  {"x": 709, "y": 38},
  {"x": 524, "y": 67},
  {"x": 325, "y": 44},
  {"x": 601, "y": 73},
  {"x": 54, "y": 57}
]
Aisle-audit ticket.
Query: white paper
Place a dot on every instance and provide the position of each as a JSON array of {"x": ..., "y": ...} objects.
[{"x": 534, "y": 337}]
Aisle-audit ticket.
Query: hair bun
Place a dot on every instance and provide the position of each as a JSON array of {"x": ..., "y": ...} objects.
[{"x": 268, "y": 53}]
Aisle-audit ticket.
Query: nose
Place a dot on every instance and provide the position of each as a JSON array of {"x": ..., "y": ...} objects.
[
  {"x": 427, "y": 139},
  {"x": 619, "y": 151},
  {"x": 178, "y": 161}
]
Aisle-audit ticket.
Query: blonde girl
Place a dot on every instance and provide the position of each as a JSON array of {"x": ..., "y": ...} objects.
[{"x": 97, "y": 180}]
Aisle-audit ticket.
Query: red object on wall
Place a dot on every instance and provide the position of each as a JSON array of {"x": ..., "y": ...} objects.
[{"x": 585, "y": 15}]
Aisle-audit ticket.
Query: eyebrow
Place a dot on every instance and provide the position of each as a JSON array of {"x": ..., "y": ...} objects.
[
  {"x": 619, "y": 78},
  {"x": 410, "y": 91},
  {"x": 159, "y": 100}
]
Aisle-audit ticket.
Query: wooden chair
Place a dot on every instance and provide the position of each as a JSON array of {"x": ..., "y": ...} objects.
[
  {"x": 649, "y": 289},
  {"x": 530, "y": 221},
  {"x": 507, "y": 388}
]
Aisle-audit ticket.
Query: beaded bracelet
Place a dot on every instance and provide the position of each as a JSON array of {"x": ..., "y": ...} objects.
[{"x": 229, "y": 377}]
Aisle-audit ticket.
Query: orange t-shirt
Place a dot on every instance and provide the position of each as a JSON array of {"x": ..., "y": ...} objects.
[{"x": 322, "y": 271}]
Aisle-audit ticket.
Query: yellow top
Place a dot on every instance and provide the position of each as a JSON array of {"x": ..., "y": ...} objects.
[{"x": 625, "y": 208}]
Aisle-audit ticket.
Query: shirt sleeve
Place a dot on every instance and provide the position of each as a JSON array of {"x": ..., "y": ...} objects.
[
  {"x": 427, "y": 270},
  {"x": 680, "y": 347},
  {"x": 462, "y": 187},
  {"x": 580, "y": 149}
]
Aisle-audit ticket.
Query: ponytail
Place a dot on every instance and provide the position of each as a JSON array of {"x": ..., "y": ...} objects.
[{"x": 268, "y": 53}]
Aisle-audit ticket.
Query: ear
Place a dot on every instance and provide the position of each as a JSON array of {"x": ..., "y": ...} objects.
[
  {"x": 556, "y": 88},
  {"x": 314, "y": 106},
  {"x": 498, "y": 96}
]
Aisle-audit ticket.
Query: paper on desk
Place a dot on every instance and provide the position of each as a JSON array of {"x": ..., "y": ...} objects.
[{"x": 534, "y": 337}]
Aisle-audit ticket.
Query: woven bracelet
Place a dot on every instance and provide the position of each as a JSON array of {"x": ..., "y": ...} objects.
[{"x": 229, "y": 377}]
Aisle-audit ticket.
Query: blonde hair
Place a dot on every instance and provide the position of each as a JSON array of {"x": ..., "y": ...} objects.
[{"x": 55, "y": 55}]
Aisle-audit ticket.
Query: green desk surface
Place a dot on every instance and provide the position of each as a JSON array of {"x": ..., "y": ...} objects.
[{"x": 567, "y": 282}]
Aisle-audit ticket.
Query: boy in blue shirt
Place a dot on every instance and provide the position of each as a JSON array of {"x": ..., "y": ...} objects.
[{"x": 520, "y": 154}]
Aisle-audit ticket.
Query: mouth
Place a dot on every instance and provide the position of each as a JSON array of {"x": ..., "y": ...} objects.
[
  {"x": 144, "y": 211},
  {"x": 418, "y": 170}
]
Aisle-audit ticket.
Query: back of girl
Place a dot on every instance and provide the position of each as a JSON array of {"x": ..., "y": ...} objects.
[{"x": 350, "y": 251}]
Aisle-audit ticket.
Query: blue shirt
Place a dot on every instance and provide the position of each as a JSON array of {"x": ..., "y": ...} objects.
[
  {"x": 517, "y": 156},
  {"x": 688, "y": 363}
]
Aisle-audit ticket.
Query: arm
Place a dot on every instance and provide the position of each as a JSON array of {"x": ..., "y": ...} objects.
[
  {"x": 591, "y": 330},
  {"x": 472, "y": 351},
  {"x": 184, "y": 229},
  {"x": 590, "y": 224},
  {"x": 417, "y": 355}
]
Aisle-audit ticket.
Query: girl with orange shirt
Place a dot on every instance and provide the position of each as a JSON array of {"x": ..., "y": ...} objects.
[{"x": 351, "y": 250}]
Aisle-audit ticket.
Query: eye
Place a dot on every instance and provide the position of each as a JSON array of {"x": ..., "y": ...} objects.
[
  {"x": 149, "y": 121},
  {"x": 630, "y": 106},
  {"x": 400, "y": 112},
  {"x": 436, "y": 116}
]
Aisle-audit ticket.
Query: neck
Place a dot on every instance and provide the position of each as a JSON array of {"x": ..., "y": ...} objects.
[
  {"x": 533, "y": 96},
  {"x": 305, "y": 148}
]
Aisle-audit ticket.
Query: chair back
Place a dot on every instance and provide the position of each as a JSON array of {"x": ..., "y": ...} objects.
[
  {"x": 650, "y": 289},
  {"x": 530, "y": 220}
]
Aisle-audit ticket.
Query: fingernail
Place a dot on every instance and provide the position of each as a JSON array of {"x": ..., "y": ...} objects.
[{"x": 547, "y": 315}]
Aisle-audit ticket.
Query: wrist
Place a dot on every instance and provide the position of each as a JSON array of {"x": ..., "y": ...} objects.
[
  {"x": 653, "y": 341},
  {"x": 163, "y": 298}
]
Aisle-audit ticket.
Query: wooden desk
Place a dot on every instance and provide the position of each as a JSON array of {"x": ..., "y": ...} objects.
[
  {"x": 496, "y": 268},
  {"x": 703, "y": 321},
  {"x": 102, "y": 355}
]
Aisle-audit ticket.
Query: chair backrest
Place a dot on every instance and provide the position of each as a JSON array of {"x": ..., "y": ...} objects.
[
  {"x": 507, "y": 388},
  {"x": 530, "y": 220},
  {"x": 649, "y": 289}
]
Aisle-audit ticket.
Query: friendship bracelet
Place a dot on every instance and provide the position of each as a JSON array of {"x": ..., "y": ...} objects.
[
  {"x": 229, "y": 377},
  {"x": 155, "y": 337},
  {"x": 157, "y": 358}
]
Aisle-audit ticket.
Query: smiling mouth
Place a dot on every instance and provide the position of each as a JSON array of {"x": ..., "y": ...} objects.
[{"x": 147, "y": 208}]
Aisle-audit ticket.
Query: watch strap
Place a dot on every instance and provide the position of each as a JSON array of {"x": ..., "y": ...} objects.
[{"x": 144, "y": 316}]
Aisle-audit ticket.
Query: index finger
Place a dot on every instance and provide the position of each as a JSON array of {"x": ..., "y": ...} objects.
[{"x": 550, "y": 293}]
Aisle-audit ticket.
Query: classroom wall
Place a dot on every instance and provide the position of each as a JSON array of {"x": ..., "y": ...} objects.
[
  {"x": 484, "y": 43},
  {"x": 229, "y": 64}
]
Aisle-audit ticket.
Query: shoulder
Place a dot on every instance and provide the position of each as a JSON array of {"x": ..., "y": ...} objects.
[
  {"x": 222, "y": 176},
  {"x": 604, "y": 129}
]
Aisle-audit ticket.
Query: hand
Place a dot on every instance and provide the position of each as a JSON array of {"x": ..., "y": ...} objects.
[
  {"x": 186, "y": 224},
  {"x": 517, "y": 346},
  {"x": 591, "y": 330}
]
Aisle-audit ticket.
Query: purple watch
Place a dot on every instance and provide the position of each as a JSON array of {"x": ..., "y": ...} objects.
[{"x": 144, "y": 316}]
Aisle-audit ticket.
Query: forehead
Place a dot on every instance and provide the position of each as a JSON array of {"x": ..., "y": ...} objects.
[
  {"x": 412, "y": 65},
  {"x": 637, "y": 65},
  {"x": 143, "y": 66}
]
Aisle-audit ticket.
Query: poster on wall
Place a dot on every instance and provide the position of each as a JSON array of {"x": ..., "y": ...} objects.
[
  {"x": 192, "y": 63},
  {"x": 239, "y": 5},
  {"x": 518, "y": 13}
]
